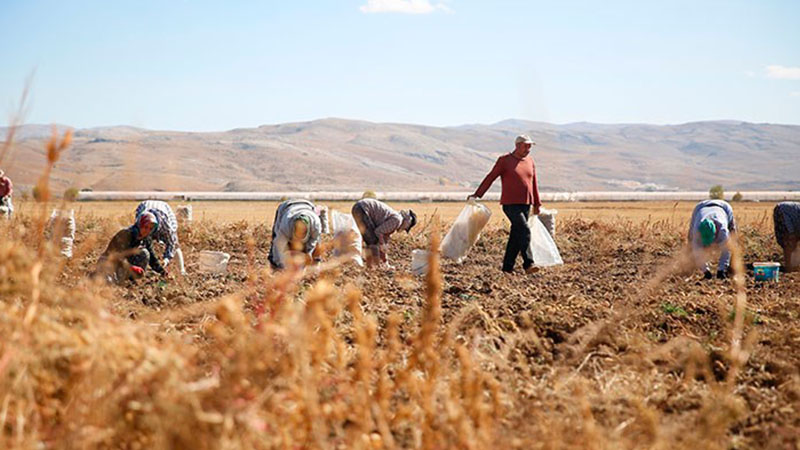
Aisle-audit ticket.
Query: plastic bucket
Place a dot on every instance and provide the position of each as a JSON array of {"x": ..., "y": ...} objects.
[
  {"x": 766, "y": 271},
  {"x": 213, "y": 262}
]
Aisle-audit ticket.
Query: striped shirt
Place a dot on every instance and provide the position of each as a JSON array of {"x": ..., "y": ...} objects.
[
  {"x": 721, "y": 213},
  {"x": 167, "y": 231}
]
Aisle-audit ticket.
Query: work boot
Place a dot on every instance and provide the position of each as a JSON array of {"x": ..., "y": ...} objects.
[
  {"x": 707, "y": 275},
  {"x": 531, "y": 269},
  {"x": 722, "y": 274}
]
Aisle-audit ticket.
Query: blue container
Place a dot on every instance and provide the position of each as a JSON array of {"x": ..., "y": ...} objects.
[{"x": 766, "y": 271}]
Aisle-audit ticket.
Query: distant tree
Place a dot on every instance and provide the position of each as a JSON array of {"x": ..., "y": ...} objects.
[
  {"x": 71, "y": 194},
  {"x": 737, "y": 197},
  {"x": 369, "y": 194},
  {"x": 716, "y": 192}
]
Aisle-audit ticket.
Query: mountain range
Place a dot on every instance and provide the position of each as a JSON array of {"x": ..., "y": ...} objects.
[{"x": 351, "y": 155}]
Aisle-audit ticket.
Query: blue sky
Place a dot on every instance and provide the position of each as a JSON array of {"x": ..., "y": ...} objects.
[{"x": 211, "y": 65}]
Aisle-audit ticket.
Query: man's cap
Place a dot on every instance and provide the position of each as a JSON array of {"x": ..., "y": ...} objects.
[
  {"x": 708, "y": 231},
  {"x": 413, "y": 222},
  {"x": 524, "y": 139}
]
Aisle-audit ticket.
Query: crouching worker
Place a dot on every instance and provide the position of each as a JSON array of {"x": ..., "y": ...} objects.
[
  {"x": 786, "y": 217},
  {"x": 377, "y": 221},
  {"x": 295, "y": 231},
  {"x": 166, "y": 230},
  {"x": 712, "y": 224},
  {"x": 130, "y": 252}
]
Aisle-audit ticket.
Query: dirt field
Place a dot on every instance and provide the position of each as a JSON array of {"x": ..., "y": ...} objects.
[{"x": 622, "y": 346}]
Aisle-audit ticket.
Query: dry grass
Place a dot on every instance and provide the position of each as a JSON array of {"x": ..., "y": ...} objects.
[{"x": 621, "y": 347}]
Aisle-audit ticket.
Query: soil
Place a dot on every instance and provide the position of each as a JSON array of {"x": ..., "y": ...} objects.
[{"x": 586, "y": 349}]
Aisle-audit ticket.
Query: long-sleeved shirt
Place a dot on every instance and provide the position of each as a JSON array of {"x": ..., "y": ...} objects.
[
  {"x": 167, "y": 231},
  {"x": 122, "y": 243},
  {"x": 786, "y": 217},
  {"x": 283, "y": 228},
  {"x": 6, "y": 187},
  {"x": 518, "y": 179},
  {"x": 385, "y": 219},
  {"x": 721, "y": 213}
]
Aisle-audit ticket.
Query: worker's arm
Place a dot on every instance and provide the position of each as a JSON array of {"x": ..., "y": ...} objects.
[
  {"x": 154, "y": 263},
  {"x": 731, "y": 220},
  {"x": 789, "y": 245},
  {"x": 496, "y": 171},
  {"x": 280, "y": 250},
  {"x": 537, "y": 203},
  {"x": 388, "y": 227},
  {"x": 691, "y": 222}
]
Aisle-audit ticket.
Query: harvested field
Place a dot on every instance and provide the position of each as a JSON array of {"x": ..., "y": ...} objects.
[{"x": 620, "y": 347}]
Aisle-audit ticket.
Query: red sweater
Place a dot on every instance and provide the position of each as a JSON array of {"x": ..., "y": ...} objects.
[
  {"x": 6, "y": 188},
  {"x": 518, "y": 180}
]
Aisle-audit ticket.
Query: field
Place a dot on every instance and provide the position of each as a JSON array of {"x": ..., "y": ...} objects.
[{"x": 624, "y": 346}]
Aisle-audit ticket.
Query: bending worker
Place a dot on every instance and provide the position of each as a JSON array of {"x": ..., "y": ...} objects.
[
  {"x": 712, "y": 224},
  {"x": 166, "y": 230},
  {"x": 296, "y": 230},
  {"x": 130, "y": 251},
  {"x": 786, "y": 217},
  {"x": 377, "y": 221},
  {"x": 520, "y": 190}
]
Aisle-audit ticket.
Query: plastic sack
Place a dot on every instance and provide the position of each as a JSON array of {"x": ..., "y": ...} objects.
[
  {"x": 548, "y": 218},
  {"x": 213, "y": 262},
  {"x": 63, "y": 223},
  {"x": 185, "y": 214},
  {"x": 542, "y": 248},
  {"x": 346, "y": 236},
  {"x": 465, "y": 231},
  {"x": 419, "y": 262}
]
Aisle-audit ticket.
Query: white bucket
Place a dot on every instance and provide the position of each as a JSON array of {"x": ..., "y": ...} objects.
[
  {"x": 419, "y": 262},
  {"x": 213, "y": 262}
]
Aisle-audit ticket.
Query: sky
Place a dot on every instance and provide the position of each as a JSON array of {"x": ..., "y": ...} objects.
[{"x": 212, "y": 65}]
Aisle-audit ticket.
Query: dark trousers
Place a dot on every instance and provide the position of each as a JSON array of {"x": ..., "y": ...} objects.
[{"x": 519, "y": 238}]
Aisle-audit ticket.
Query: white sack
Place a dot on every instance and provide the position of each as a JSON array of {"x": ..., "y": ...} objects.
[
  {"x": 346, "y": 236},
  {"x": 465, "y": 231},
  {"x": 542, "y": 249}
]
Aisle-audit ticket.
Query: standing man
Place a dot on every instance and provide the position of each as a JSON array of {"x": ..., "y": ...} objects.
[
  {"x": 712, "y": 224},
  {"x": 786, "y": 217},
  {"x": 377, "y": 221},
  {"x": 166, "y": 230},
  {"x": 6, "y": 189},
  {"x": 520, "y": 190},
  {"x": 296, "y": 229}
]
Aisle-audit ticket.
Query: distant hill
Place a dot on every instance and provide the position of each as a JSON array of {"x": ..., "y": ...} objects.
[{"x": 337, "y": 154}]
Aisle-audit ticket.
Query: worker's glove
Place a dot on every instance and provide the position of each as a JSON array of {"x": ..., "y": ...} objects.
[{"x": 137, "y": 270}]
